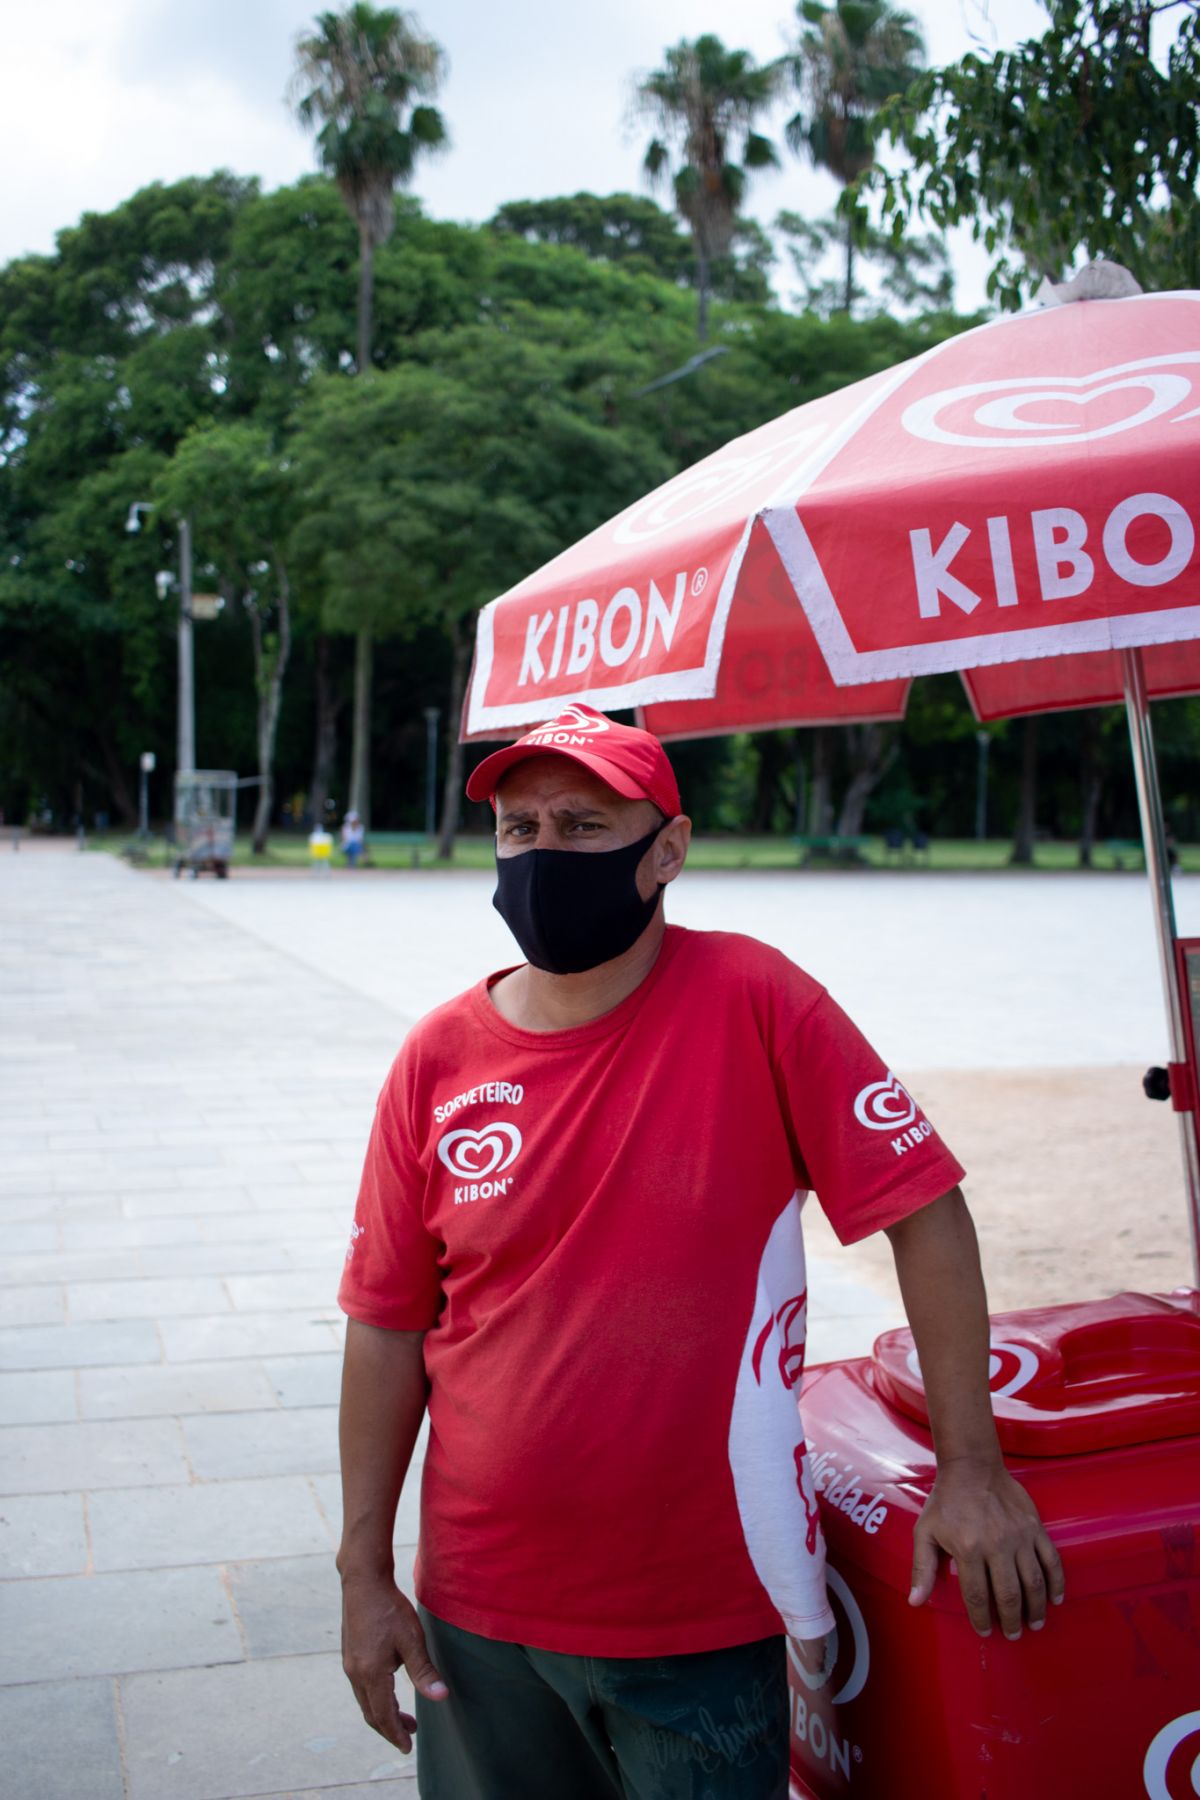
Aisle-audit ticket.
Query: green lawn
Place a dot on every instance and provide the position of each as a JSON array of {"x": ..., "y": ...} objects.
[{"x": 949, "y": 854}]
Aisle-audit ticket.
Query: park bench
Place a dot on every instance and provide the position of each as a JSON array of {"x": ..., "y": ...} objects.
[
  {"x": 1120, "y": 848},
  {"x": 392, "y": 840},
  {"x": 829, "y": 847}
]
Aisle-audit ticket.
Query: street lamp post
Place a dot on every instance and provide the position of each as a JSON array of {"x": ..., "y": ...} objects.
[
  {"x": 432, "y": 716},
  {"x": 148, "y": 760},
  {"x": 185, "y": 753}
]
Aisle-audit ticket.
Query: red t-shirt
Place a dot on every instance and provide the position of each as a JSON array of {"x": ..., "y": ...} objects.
[{"x": 599, "y": 1229}]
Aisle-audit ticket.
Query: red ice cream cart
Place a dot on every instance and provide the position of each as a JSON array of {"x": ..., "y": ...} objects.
[{"x": 1018, "y": 504}]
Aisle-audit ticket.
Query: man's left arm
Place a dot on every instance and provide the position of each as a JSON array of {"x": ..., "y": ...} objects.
[{"x": 976, "y": 1513}]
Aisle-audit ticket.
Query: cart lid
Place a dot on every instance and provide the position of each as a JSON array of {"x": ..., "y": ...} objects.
[{"x": 1071, "y": 1379}]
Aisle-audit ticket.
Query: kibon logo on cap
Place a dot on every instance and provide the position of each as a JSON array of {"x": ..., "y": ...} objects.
[{"x": 631, "y": 762}]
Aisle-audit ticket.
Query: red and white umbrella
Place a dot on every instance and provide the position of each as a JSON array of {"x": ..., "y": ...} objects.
[{"x": 1018, "y": 504}]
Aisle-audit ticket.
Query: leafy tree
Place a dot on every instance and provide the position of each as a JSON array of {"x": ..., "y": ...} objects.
[
  {"x": 640, "y": 236},
  {"x": 705, "y": 101},
  {"x": 916, "y": 273},
  {"x": 110, "y": 350},
  {"x": 363, "y": 78},
  {"x": 620, "y": 228},
  {"x": 236, "y": 489},
  {"x": 851, "y": 57},
  {"x": 1074, "y": 140},
  {"x": 430, "y": 489}
]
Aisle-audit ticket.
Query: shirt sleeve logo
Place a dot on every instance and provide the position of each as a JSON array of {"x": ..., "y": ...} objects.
[
  {"x": 885, "y": 1106},
  {"x": 478, "y": 1154}
]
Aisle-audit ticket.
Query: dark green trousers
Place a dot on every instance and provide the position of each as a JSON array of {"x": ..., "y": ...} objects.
[{"x": 525, "y": 1724}]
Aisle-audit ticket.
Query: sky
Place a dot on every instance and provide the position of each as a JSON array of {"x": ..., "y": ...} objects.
[{"x": 101, "y": 100}]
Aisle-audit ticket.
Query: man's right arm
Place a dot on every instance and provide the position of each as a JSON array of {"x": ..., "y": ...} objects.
[{"x": 384, "y": 1390}]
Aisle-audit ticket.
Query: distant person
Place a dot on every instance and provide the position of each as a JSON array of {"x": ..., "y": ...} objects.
[
  {"x": 353, "y": 839},
  {"x": 578, "y": 1243}
]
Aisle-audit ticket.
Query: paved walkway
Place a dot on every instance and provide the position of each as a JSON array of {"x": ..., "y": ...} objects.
[{"x": 183, "y": 1107}]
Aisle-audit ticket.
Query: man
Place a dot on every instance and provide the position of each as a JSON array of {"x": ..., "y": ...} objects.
[{"x": 578, "y": 1242}]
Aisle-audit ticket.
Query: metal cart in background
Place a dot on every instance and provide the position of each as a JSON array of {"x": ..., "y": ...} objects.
[{"x": 205, "y": 816}]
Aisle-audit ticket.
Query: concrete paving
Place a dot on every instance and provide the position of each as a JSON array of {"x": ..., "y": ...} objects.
[
  {"x": 182, "y": 1116},
  {"x": 188, "y": 1075}
]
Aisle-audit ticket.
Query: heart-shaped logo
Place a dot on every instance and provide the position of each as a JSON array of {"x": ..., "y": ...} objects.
[
  {"x": 476, "y": 1154},
  {"x": 577, "y": 718},
  {"x": 1026, "y": 411},
  {"x": 714, "y": 482},
  {"x": 884, "y": 1106}
]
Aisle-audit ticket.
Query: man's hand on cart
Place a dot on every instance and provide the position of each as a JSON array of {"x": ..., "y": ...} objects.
[
  {"x": 976, "y": 1514},
  {"x": 1007, "y": 1567}
]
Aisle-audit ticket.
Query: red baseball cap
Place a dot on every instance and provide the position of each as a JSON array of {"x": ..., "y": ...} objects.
[{"x": 631, "y": 762}]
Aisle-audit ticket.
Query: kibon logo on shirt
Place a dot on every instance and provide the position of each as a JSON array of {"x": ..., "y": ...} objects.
[
  {"x": 886, "y": 1106},
  {"x": 480, "y": 1157}
]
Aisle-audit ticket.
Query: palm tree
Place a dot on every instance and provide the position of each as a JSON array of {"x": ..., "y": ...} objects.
[
  {"x": 362, "y": 81},
  {"x": 704, "y": 102},
  {"x": 851, "y": 57}
]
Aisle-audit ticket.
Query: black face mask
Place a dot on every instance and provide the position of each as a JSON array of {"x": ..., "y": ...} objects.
[{"x": 572, "y": 909}]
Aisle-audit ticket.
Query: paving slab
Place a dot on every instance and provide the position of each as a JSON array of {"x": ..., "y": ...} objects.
[
  {"x": 30, "y": 1238},
  {"x": 311, "y": 1222},
  {"x": 79, "y": 1346},
  {"x": 276, "y": 1726},
  {"x": 33, "y": 1305},
  {"x": 38, "y": 1397},
  {"x": 185, "y": 1261},
  {"x": 61, "y": 1741},
  {"x": 305, "y": 1380},
  {"x": 133, "y": 1299},
  {"x": 286, "y": 1291},
  {"x": 107, "y": 1624},
  {"x": 252, "y": 1334},
  {"x": 48, "y": 1459},
  {"x": 67, "y": 1266},
  {"x": 120, "y": 1233},
  {"x": 207, "y": 1522},
  {"x": 288, "y": 1607},
  {"x": 176, "y": 1388},
  {"x": 231, "y": 1446},
  {"x": 42, "y": 1534}
]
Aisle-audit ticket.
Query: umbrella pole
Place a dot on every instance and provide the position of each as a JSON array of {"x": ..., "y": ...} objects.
[{"x": 1158, "y": 869}]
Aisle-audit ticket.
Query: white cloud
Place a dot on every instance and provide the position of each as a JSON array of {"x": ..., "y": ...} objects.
[{"x": 105, "y": 99}]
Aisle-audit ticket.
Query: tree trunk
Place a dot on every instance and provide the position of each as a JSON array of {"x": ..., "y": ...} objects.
[
  {"x": 329, "y": 705},
  {"x": 774, "y": 754},
  {"x": 820, "y": 799},
  {"x": 849, "y": 294},
  {"x": 269, "y": 672},
  {"x": 360, "y": 749},
  {"x": 1024, "y": 836},
  {"x": 115, "y": 781},
  {"x": 873, "y": 750},
  {"x": 452, "y": 787},
  {"x": 702, "y": 280},
  {"x": 366, "y": 283},
  {"x": 1090, "y": 785}
]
